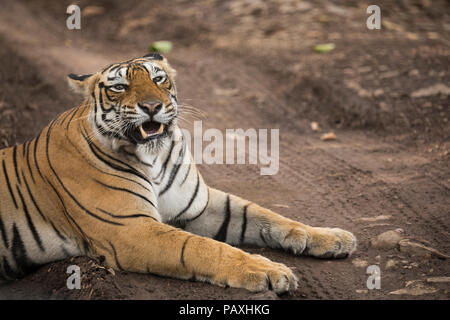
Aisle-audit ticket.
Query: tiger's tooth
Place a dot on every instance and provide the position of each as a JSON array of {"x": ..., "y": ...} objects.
[{"x": 143, "y": 133}]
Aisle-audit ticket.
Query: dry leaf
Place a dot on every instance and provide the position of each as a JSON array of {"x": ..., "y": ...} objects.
[
  {"x": 280, "y": 205},
  {"x": 438, "y": 88},
  {"x": 391, "y": 25},
  {"x": 328, "y": 136},
  {"x": 374, "y": 219},
  {"x": 315, "y": 126},
  {"x": 92, "y": 11}
]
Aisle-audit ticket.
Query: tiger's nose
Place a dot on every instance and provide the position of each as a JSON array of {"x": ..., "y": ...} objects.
[{"x": 151, "y": 107}]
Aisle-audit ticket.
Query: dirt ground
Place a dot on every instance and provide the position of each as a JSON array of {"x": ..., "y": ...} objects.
[{"x": 250, "y": 64}]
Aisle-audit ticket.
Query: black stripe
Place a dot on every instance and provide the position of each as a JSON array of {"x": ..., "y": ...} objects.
[
  {"x": 127, "y": 191},
  {"x": 97, "y": 151},
  {"x": 112, "y": 69},
  {"x": 23, "y": 148},
  {"x": 28, "y": 161},
  {"x": 101, "y": 85},
  {"x": 62, "y": 117},
  {"x": 36, "y": 141},
  {"x": 201, "y": 212},
  {"x": 8, "y": 271},
  {"x": 78, "y": 77},
  {"x": 222, "y": 233},
  {"x": 15, "y": 164},
  {"x": 124, "y": 178},
  {"x": 175, "y": 170},
  {"x": 58, "y": 233},
  {"x": 107, "y": 173},
  {"x": 64, "y": 187},
  {"x": 153, "y": 56},
  {"x": 115, "y": 256},
  {"x": 71, "y": 118},
  {"x": 135, "y": 156},
  {"x": 192, "y": 198},
  {"x": 32, "y": 198},
  {"x": 30, "y": 222},
  {"x": 23, "y": 263},
  {"x": 103, "y": 131},
  {"x": 182, "y": 251},
  {"x": 244, "y": 225},
  {"x": 68, "y": 216},
  {"x": 95, "y": 103},
  {"x": 129, "y": 112},
  {"x": 66, "y": 253},
  {"x": 154, "y": 160},
  {"x": 167, "y": 108},
  {"x": 186, "y": 175},
  {"x": 262, "y": 238},
  {"x": 118, "y": 216},
  {"x": 163, "y": 167},
  {"x": 9, "y": 185},
  {"x": 81, "y": 206},
  {"x": 3, "y": 232}
]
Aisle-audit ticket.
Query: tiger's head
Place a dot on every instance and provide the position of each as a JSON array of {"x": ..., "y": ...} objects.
[{"x": 134, "y": 101}]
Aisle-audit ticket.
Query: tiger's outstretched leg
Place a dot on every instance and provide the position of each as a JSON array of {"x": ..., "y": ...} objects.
[
  {"x": 149, "y": 246},
  {"x": 233, "y": 220}
]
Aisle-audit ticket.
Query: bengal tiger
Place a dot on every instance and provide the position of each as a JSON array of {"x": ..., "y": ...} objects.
[{"x": 114, "y": 179}]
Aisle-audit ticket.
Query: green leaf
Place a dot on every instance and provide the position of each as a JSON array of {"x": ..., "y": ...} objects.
[
  {"x": 161, "y": 46},
  {"x": 324, "y": 47}
]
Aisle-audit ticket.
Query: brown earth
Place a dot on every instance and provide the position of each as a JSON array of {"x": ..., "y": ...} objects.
[{"x": 250, "y": 64}]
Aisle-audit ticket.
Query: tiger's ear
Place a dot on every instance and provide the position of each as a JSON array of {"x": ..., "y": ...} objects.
[
  {"x": 80, "y": 83},
  {"x": 154, "y": 56}
]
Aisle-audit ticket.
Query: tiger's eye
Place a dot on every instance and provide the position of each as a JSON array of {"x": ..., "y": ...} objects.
[{"x": 119, "y": 87}]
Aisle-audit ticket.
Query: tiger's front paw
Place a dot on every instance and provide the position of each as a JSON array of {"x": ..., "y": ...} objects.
[
  {"x": 258, "y": 273},
  {"x": 330, "y": 243}
]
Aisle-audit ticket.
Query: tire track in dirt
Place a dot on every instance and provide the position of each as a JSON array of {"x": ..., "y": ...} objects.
[
  {"x": 383, "y": 189},
  {"x": 297, "y": 171},
  {"x": 300, "y": 170}
]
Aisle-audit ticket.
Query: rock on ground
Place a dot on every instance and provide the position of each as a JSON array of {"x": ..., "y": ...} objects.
[{"x": 387, "y": 240}]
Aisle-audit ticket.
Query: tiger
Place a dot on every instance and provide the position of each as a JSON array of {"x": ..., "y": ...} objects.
[{"x": 114, "y": 179}]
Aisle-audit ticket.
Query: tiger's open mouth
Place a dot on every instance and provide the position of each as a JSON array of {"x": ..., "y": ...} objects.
[
  {"x": 147, "y": 131},
  {"x": 151, "y": 128}
]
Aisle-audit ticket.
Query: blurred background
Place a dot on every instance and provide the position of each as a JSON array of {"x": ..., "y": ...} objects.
[{"x": 308, "y": 68}]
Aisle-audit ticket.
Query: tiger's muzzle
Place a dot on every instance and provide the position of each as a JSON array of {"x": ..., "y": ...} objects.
[{"x": 152, "y": 128}]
